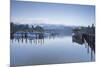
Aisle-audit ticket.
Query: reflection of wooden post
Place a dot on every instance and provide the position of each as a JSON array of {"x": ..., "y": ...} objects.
[
  {"x": 22, "y": 40},
  {"x": 26, "y": 40},
  {"x": 34, "y": 40},
  {"x": 85, "y": 43},
  {"x": 18, "y": 40},
  {"x": 38, "y": 40},
  {"x": 88, "y": 48},
  {"x": 91, "y": 55},
  {"x": 30, "y": 40},
  {"x": 41, "y": 41}
]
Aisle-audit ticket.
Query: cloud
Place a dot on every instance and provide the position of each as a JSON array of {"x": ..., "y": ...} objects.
[
  {"x": 29, "y": 20},
  {"x": 42, "y": 21}
]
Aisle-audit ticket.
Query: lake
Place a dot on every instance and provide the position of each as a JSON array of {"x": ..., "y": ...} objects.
[{"x": 50, "y": 50}]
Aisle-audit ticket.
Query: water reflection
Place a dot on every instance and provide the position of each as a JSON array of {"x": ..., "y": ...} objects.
[
  {"x": 55, "y": 49},
  {"x": 38, "y": 39},
  {"x": 89, "y": 45}
]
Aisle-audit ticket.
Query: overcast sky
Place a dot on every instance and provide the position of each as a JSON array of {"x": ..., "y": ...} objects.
[{"x": 65, "y": 14}]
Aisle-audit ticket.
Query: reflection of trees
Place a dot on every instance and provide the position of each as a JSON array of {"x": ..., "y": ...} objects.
[
  {"x": 39, "y": 39},
  {"x": 24, "y": 28},
  {"x": 86, "y": 36},
  {"x": 89, "y": 46}
]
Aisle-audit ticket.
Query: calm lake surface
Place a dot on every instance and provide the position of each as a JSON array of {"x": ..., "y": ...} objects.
[{"x": 49, "y": 50}]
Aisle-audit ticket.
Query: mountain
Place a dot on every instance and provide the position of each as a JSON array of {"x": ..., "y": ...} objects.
[{"x": 60, "y": 29}]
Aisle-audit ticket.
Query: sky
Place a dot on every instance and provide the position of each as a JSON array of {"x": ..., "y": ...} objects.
[{"x": 50, "y": 13}]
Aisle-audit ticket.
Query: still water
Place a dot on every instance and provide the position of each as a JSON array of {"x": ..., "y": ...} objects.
[{"x": 49, "y": 50}]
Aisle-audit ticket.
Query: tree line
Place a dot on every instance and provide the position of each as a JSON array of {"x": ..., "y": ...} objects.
[{"x": 25, "y": 28}]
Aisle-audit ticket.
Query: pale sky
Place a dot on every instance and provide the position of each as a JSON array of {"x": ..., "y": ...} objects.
[{"x": 50, "y": 13}]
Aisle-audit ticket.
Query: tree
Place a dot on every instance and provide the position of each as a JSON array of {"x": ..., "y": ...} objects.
[{"x": 39, "y": 29}]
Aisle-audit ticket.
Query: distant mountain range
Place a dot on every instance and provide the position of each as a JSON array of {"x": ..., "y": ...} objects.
[
  {"x": 61, "y": 29},
  {"x": 56, "y": 28}
]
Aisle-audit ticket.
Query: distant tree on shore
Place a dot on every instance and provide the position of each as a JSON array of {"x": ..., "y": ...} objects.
[
  {"x": 39, "y": 29},
  {"x": 25, "y": 28}
]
